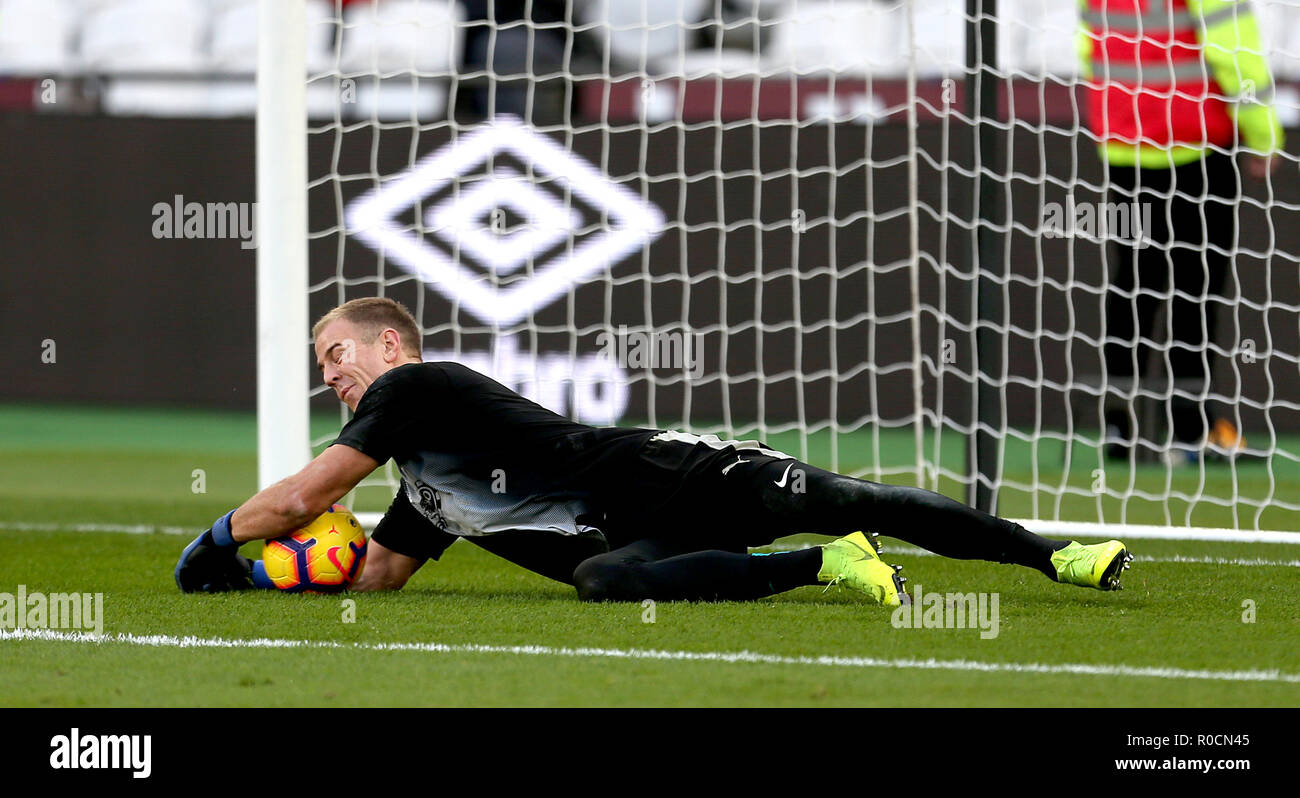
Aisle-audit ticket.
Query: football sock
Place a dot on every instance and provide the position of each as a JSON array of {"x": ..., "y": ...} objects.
[
  {"x": 785, "y": 570},
  {"x": 833, "y": 504},
  {"x": 697, "y": 576},
  {"x": 947, "y": 527}
]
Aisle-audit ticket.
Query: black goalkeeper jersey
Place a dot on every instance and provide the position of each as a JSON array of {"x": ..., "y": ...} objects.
[{"x": 477, "y": 458}]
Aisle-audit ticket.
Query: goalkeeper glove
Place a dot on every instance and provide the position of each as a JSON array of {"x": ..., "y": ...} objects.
[{"x": 212, "y": 563}]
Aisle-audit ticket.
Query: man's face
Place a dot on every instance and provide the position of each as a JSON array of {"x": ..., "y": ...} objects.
[{"x": 349, "y": 363}]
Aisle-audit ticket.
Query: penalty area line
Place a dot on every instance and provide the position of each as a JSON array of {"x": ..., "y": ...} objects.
[{"x": 730, "y": 657}]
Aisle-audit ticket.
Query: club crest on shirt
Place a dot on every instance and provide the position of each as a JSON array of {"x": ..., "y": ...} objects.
[{"x": 429, "y": 503}]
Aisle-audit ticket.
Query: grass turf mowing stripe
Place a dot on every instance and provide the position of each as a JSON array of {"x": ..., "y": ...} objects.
[{"x": 747, "y": 657}]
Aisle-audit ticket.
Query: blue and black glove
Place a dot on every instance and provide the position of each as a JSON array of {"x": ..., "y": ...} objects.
[{"x": 212, "y": 563}]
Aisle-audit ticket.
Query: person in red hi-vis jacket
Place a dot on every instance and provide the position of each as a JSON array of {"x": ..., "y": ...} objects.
[{"x": 1175, "y": 88}]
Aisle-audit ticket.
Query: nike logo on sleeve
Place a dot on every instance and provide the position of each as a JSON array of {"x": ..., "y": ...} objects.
[{"x": 780, "y": 483}]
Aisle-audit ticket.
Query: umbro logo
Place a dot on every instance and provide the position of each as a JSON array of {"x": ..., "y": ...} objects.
[{"x": 502, "y": 221}]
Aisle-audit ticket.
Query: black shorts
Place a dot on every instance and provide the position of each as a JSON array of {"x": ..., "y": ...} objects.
[
  {"x": 553, "y": 555},
  {"x": 699, "y": 490}
]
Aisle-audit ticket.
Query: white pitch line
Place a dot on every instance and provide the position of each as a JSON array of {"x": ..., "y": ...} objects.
[
  {"x": 1078, "y": 529},
  {"x": 1254, "y": 562},
  {"x": 748, "y": 657},
  {"x": 128, "y": 529},
  {"x": 912, "y": 551}
]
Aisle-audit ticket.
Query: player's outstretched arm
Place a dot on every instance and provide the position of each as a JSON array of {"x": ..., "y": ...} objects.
[
  {"x": 211, "y": 563},
  {"x": 296, "y": 501}
]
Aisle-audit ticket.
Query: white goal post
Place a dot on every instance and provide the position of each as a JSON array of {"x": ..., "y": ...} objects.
[
  {"x": 785, "y": 191},
  {"x": 283, "y": 437}
]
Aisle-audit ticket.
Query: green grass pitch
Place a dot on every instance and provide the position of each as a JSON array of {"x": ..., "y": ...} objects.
[{"x": 474, "y": 630}]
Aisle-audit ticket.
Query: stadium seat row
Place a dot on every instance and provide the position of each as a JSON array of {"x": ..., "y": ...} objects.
[
  {"x": 206, "y": 36},
  {"x": 1037, "y": 37},
  {"x": 157, "y": 40},
  {"x": 153, "y": 46}
]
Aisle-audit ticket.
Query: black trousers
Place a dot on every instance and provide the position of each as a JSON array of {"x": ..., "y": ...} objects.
[
  {"x": 680, "y": 561},
  {"x": 1182, "y": 270}
]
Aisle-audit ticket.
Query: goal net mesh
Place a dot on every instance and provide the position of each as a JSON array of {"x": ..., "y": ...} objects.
[{"x": 716, "y": 217}]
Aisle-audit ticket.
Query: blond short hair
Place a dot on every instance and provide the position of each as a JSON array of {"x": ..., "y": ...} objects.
[{"x": 372, "y": 315}]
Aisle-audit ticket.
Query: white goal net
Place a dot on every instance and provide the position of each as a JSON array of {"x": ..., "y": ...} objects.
[{"x": 766, "y": 219}]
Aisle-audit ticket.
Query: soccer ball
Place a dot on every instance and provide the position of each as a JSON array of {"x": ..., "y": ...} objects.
[{"x": 323, "y": 557}]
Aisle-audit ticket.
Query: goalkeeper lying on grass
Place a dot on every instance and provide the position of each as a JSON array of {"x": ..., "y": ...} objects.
[{"x": 621, "y": 514}]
